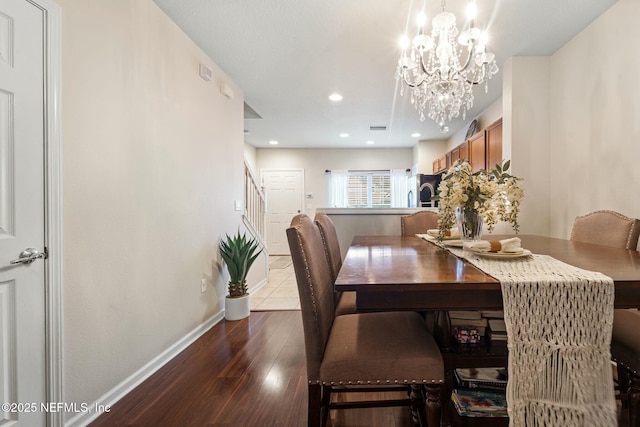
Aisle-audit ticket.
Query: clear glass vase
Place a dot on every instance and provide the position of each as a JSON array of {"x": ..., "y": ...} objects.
[{"x": 470, "y": 224}]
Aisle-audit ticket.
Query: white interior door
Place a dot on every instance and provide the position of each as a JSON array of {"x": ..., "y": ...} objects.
[
  {"x": 22, "y": 218},
  {"x": 284, "y": 190}
]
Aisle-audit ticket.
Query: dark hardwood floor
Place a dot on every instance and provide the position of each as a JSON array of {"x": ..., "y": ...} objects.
[{"x": 245, "y": 373}]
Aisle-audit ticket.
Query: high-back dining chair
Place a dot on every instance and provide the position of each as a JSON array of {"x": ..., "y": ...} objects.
[
  {"x": 358, "y": 352},
  {"x": 418, "y": 223},
  {"x": 606, "y": 228},
  {"x": 331, "y": 243},
  {"x": 345, "y": 301},
  {"x": 611, "y": 228}
]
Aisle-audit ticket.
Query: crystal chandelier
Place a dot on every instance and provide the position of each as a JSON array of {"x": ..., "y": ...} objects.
[{"x": 440, "y": 79}]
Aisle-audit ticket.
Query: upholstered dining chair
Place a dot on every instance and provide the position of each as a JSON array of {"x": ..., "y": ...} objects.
[
  {"x": 611, "y": 228},
  {"x": 345, "y": 301},
  {"x": 606, "y": 228},
  {"x": 362, "y": 351},
  {"x": 418, "y": 223}
]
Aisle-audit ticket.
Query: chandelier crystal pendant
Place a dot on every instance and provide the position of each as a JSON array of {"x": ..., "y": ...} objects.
[{"x": 440, "y": 78}]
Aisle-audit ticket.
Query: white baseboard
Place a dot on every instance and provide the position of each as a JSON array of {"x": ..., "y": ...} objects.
[
  {"x": 118, "y": 392},
  {"x": 258, "y": 285}
]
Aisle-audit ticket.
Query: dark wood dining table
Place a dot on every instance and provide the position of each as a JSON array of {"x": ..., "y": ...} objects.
[{"x": 409, "y": 273}]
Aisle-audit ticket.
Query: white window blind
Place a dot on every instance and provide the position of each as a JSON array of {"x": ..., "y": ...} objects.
[{"x": 369, "y": 189}]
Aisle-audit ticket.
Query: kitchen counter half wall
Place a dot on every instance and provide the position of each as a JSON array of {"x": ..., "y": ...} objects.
[{"x": 350, "y": 222}]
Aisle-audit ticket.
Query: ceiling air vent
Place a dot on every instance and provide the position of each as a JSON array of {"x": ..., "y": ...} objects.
[{"x": 377, "y": 128}]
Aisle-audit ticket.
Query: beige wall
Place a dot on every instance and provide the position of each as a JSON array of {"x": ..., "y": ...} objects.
[
  {"x": 571, "y": 124},
  {"x": 316, "y": 161},
  {"x": 425, "y": 152},
  {"x": 250, "y": 159},
  {"x": 153, "y": 161},
  {"x": 527, "y": 138},
  {"x": 595, "y": 120}
]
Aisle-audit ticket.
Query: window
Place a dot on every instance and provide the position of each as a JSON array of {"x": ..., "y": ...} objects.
[{"x": 369, "y": 189}]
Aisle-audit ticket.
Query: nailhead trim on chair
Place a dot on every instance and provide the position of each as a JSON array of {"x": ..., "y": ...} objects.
[
  {"x": 306, "y": 268},
  {"x": 631, "y": 370},
  {"x": 619, "y": 215},
  {"x": 326, "y": 253}
]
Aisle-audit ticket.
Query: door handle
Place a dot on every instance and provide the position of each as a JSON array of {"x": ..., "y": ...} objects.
[{"x": 29, "y": 255}]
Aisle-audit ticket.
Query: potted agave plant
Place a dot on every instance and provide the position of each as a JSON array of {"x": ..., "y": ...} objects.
[{"x": 238, "y": 253}]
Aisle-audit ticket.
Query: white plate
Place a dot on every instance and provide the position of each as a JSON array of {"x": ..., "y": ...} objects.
[{"x": 525, "y": 252}]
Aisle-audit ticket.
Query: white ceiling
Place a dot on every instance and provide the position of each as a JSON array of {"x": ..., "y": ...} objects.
[{"x": 288, "y": 56}]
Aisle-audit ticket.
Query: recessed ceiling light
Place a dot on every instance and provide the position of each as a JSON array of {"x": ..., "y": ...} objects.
[
  {"x": 415, "y": 135},
  {"x": 335, "y": 97},
  {"x": 344, "y": 135},
  {"x": 370, "y": 142},
  {"x": 273, "y": 142}
]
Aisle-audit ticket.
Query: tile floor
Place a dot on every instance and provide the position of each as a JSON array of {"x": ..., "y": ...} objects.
[{"x": 281, "y": 292}]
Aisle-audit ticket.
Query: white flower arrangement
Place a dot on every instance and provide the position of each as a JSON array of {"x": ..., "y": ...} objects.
[{"x": 495, "y": 194}]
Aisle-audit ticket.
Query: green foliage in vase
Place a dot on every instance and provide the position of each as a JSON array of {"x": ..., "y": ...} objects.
[
  {"x": 238, "y": 253},
  {"x": 495, "y": 194}
]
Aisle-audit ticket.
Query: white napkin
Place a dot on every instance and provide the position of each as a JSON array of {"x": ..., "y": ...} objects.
[
  {"x": 511, "y": 246},
  {"x": 452, "y": 234}
]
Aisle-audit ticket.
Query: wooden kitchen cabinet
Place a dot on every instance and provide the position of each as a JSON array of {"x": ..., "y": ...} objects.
[
  {"x": 493, "y": 134},
  {"x": 463, "y": 150},
  {"x": 483, "y": 150},
  {"x": 440, "y": 164},
  {"x": 478, "y": 151},
  {"x": 455, "y": 155}
]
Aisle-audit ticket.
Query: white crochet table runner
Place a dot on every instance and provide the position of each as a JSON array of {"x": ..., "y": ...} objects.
[{"x": 559, "y": 321}]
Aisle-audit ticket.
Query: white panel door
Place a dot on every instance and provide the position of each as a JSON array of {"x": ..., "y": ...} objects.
[
  {"x": 284, "y": 191},
  {"x": 22, "y": 300}
]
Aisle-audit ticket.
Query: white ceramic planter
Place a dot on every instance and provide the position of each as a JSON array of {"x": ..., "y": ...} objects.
[{"x": 236, "y": 308}]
